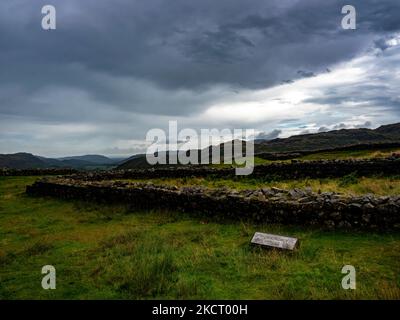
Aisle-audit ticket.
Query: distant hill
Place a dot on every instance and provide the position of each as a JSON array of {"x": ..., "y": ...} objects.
[
  {"x": 309, "y": 142},
  {"x": 21, "y": 161},
  {"x": 136, "y": 161},
  {"x": 306, "y": 142},
  {"x": 30, "y": 161},
  {"x": 90, "y": 158},
  {"x": 49, "y": 162},
  {"x": 331, "y": 139},
  {"x": 391, "y": 130}
]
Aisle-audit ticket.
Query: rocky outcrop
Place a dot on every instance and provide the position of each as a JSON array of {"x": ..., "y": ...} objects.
[{"x": 269, "y": 205}]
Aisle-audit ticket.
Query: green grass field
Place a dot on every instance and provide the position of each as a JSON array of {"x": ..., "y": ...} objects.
[{"x": 112, "y": 253}]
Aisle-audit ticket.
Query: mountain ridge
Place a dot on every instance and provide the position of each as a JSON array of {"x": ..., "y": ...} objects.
[
  {"x": 332, "y": 139},
  {"x": 346, "y": 138},
  {"x": 310, "y": 142}
]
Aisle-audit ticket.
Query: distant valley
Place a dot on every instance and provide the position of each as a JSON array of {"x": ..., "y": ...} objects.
[{"x": 305, "y": 143}]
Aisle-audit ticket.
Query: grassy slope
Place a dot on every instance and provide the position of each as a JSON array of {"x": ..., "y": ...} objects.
[
  {"x": 331, "y": 155},
  {"x": 103, "y": 252}
]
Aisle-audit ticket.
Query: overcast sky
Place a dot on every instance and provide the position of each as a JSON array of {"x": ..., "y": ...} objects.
[{"x": 112, "y": 70}]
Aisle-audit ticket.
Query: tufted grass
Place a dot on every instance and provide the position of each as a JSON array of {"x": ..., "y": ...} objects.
[
  {"x": 108, "y": 252},
  {"x": 349, "y": 184},
  {"x": 351, "y": 154}
]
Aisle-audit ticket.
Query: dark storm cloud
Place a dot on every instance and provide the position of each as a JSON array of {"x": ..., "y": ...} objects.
[
  {"x": 372, "y": 96},
  {"x": 186, "y": 44},
  {"x": 109, "y": 62}
]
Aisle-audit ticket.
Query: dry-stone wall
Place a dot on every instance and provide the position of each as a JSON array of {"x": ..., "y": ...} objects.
[
  {"x": 270, "y": 205},
  {"x": 281, "y": 170},
  {"x": 36, "y": 172}
]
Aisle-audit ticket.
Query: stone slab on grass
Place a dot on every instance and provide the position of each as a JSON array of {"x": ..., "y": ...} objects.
[{"x": 274, "y": 241}]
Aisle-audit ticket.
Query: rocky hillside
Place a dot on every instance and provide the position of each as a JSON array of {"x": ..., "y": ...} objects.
[
  {"x": 332, "y": 139},
  {"x": 21, "y": 161},
  {"x": 344, "y": 138}
]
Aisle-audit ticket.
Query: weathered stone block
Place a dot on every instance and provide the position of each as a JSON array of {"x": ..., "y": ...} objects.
[{"x": 274, "y": 241}]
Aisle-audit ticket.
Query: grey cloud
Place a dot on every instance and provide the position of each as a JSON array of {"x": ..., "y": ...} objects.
[
  {"x": 381, "y": 44},
  {"x": 366, "y": 124},
  {"x": 190, "y": 45},
  {"x": 269, "y": 136},
  {"x": 305, "y": 74},
  {"x": 339, "y": 126}
]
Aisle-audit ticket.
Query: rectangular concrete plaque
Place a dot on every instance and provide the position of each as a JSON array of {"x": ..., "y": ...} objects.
[{"x": 275, "y": 241}]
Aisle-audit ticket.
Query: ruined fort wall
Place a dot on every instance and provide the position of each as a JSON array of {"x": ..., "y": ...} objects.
[{"x": 273, "y": 205}]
